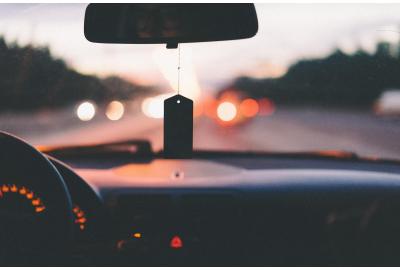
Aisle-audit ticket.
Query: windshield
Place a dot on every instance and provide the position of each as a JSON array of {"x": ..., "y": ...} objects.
[{"x": 315, "y": 77}]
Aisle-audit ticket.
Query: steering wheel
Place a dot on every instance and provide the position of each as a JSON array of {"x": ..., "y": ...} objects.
[{"x": 36, "y": 220}]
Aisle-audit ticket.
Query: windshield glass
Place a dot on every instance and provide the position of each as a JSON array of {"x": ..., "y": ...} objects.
[{"x": 315, "y": 77}]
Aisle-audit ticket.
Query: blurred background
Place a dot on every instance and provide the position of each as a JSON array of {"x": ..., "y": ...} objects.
[{"x": 315, "y": 77}]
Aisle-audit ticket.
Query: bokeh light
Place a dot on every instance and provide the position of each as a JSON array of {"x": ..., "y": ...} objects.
[
  {"x": 226, "y": 111},
  {"x": 153, "y": 107},
  {"x": 86, "y": 111},
  {"x": 266, "y": 107},
  {"x": 249, "y": 107},
  {"x": 115, "y": 110}
]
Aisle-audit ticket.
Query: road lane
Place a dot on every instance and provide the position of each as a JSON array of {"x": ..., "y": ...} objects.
[
  {"x": 302, "y": 130},
  {"x": 289, "y": 129}
]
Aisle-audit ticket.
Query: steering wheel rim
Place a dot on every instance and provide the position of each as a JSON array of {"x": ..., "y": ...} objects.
[{"x": 22, "y": 164}]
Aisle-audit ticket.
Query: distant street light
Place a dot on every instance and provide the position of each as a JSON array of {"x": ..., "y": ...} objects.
[
  {"x": 86, "y": 111},
  {"x": 226, "y": 111},
  {"x": 115, "y": 110}
]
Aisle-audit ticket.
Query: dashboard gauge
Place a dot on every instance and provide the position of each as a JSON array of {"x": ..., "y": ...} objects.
[
  {"x": 23, "y": 216},
  {"x": 25, "y": 212},
  {"x": 20, "y": 199},
  {"x": 80, "y": 218}
]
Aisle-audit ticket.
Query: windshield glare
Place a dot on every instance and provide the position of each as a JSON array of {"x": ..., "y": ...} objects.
[{"x": 315, "y": 77}]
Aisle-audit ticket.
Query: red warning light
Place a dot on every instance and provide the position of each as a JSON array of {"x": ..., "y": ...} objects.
[{"x": 176, "y": 242}]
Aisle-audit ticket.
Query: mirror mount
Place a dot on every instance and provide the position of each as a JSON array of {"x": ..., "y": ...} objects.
[{"x": 172, "y": 45}]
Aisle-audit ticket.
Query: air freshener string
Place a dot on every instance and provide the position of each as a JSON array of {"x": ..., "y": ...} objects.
[{"x": 179, "y": 66}]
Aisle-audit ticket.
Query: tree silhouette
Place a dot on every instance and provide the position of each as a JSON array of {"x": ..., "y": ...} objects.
[
  {"x": 30, "y": 78},
  {"x": 339, "y": 79}
]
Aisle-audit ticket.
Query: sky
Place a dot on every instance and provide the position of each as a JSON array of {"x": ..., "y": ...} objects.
[{"x": 287, "y": 32}]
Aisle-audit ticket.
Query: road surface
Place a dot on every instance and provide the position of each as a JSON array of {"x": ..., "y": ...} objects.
[{"x": 288, "y": 129}]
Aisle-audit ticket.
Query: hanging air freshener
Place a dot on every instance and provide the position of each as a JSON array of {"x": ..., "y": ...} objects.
[{"x": 178, "y": 124}]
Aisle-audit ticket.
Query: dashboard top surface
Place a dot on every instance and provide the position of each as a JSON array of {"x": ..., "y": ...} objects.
[{"x": 201, "y": 173}]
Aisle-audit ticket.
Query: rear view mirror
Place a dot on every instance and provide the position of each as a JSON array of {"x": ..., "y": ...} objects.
[{"x": 169, "y": 23}]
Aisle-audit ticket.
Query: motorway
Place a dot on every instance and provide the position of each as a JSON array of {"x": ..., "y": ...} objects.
[{"x": 288, "y": 129}]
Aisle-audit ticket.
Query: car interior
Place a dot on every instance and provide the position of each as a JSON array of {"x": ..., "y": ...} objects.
[{"x": 125, "y": 203}]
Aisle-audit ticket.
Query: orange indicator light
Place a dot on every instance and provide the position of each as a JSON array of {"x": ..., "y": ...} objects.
[
  {"x": 176, "y": 242},
  {"x": 5, "y": 188},
  {"x": 80, "y": 217},
  {"x": 14, "y": 188},
  {"x": 80, "y": 220},
  {"x": 137, "y": 235},
  {"x": 39, "y": 209},
  {"x": 25, "y": 192},
  {"x": 36, "y": 202}
]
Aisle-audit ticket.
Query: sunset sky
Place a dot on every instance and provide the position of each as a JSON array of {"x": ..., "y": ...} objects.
[{"x": 287, "y": 32}]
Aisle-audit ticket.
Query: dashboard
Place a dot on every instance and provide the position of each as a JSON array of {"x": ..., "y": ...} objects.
[{"x": 234, "y": 211}]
